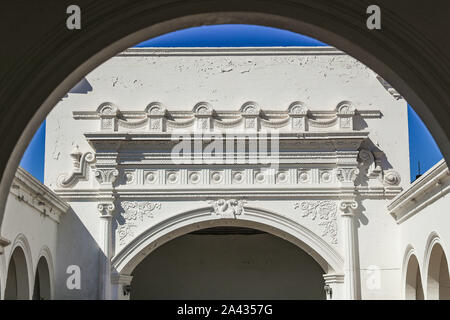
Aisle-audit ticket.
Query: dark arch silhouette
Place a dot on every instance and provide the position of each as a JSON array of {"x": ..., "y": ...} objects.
[
  {"x": 42, "y": 285},
  {"x": 17, "y": 284},
  {"x": 411, "y": 52}
]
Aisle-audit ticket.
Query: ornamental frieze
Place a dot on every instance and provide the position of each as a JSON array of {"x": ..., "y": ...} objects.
[
  {"x": 203, "y": 117},
  {"x": 134, "y": 150}
]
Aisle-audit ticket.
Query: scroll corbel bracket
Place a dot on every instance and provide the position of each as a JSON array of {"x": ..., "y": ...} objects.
[
  {"x": 80, "y": 168},
  {"x": 367, "y": 159}
]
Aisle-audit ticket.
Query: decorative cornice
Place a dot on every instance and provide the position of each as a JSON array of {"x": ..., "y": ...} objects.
[
  {"x": 28, "y": 189},
  {"x": 230, "y": 51},
  {"x": 249, "y": 117},
  {"x": 430, "y": 187},
  {"x": 251, "y": 192}
]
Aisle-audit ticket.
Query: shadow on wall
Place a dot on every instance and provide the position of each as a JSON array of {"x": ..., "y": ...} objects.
[
  {"x": 81, "y": 87},
  {"x": 76, "y": 247},
  {"x": 231, "y": 266}
]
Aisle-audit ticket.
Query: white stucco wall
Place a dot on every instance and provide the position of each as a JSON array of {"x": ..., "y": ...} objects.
[
  {"x": 31, "y": 222},
  {"x": 226, "y": 79}
]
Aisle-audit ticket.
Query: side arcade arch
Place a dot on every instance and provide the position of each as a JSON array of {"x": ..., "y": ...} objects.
[
  {"x": 436, "y": 268},
  {"x": 412, "y": 279},
  {"x": 43, "y": 276},
  {"x": 19, "y": 273}
]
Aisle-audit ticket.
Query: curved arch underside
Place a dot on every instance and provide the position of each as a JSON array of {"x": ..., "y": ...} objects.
[
  {"x": 17, "y": 284},
  {"x": 413, "y": 285},
  {"x": 408, "y": 51},
  {"x": 42, "y": 285},
  {"x": 438, "y": 280}
]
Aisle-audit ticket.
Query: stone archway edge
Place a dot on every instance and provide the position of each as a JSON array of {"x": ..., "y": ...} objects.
[{"x": 124, "y": 261}]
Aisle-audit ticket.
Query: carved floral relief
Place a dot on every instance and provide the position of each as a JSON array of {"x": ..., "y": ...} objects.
[
  {"x": 325, "y": 212},
  {"x": 135, "y": 211},
  {"x": 228, "y": 208}
]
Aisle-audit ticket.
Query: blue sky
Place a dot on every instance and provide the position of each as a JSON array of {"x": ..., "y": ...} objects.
[{"x": 423, "y": 148}]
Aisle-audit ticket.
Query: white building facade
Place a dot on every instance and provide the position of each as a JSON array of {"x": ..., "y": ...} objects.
[{"x": 237, "y": 172}]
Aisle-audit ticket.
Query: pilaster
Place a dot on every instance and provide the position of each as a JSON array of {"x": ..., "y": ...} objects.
[
  {"x": 351, "y": 255},
  {"x": 107, "y": 212}
]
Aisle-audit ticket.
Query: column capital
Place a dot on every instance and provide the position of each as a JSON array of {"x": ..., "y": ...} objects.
[
  {"x": 106, "y": 176},
  {"x": 122, "y": 284},
  {"x": 333, "y": 278},
  {"x": 121, "y": 279},
  {"x": 106, "y": 210},
  {"x": 348, "y": 207}
]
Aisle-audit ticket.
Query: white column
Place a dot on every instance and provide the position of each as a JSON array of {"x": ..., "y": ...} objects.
[
  {"x": 350, "y": 241},
  {"x": 106, "y": 211}
]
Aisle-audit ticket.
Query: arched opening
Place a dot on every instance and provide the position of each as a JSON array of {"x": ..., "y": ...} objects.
[
  {"x": 413, "y": 288},
  {"x": 438, "y": 286},
  {"x": 17, "y": 286},
  {"x": 228, "y": 263},
  {"x": 128, "y": 258},
  {"x": 42, "y": 289}
]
